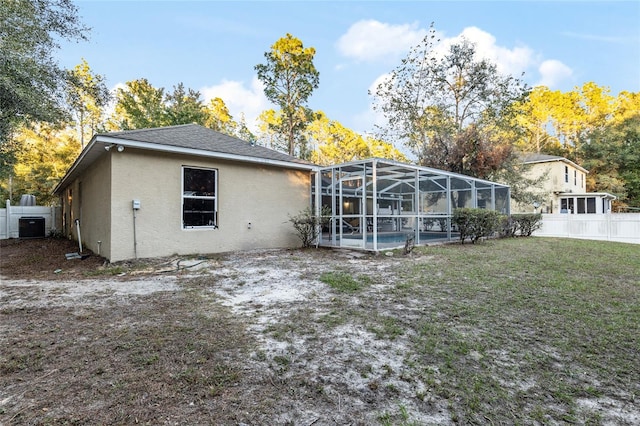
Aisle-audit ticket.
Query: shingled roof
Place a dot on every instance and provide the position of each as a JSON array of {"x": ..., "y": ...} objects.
[
  {"x": 545, "y": 158},
  {"x": 194, "y": 136},
  {"x": 536, "y": 158},
  {"x": 189, "y": 139}
]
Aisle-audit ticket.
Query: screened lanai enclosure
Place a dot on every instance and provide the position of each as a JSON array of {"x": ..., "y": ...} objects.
[{"x": 378, "y": 204}]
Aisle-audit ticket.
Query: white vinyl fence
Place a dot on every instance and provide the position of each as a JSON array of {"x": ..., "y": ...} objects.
[
  {"x": 621, "y": 227},
  {"x": 10, "y": 218}
]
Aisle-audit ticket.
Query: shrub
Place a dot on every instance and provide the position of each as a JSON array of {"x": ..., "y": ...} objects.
[
  {"x": 308, "y": 226},
  {"x": 527, "y": 223},
  {"x": 519, "y": 224},
  {"x": 508, "y": 227},
  {"x": 475, "y": 223}
]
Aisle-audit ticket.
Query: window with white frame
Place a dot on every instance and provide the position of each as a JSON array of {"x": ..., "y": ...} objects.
[
  {"x": 566, "y": 174},
  {"x": 575, "y": 177},
  {"x": 199, "y": 198}
]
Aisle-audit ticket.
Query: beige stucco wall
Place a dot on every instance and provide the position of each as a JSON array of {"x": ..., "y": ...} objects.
[
  {"x": 555, "y": 182},
  {"x": 90, "y": 202},
  {"x": 262, "y": 195}
]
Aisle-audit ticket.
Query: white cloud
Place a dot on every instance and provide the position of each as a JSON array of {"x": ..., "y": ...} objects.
[
  {"x": 508, "y": 61},
  {"x": 239, "y": 99},
  {"x": 553, "y": 73},
  {"x": 513, "y": 61},
  {"x": 365, "y": 40},
  {"x": 371, "y": 40}
]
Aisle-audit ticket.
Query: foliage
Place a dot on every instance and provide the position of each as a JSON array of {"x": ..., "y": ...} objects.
[
  {"x": 140, "y": 105},
  {"x": 31, "y": 82},
  {"x": 453, "y": 111},
  {"x": 44, "y": 155},
  {"x": 290, "y": 77},
  {"x": 268, "y": 121},
  {"x": 87, "y": 97},
  {"x": 524, "y": 224},
  {"x": 612, "y": 156},
  {"x": 308, "y": 226},
  {"x": 528, "y": 223},
  {"x": 475, "y": 223},
  {"x": 219, "y": 118},
  {"x": 591, "y": 127},
  {"x": 333, "y": 143},
  {"x": 184, "y": 106},
  {"x": 556, "y": 122}
]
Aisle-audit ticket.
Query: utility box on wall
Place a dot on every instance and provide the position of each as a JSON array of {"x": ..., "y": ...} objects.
[{"x": 31, "y": 227}]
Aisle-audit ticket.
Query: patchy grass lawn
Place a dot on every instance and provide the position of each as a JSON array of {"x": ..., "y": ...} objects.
[{"x": 516, "y": 331}]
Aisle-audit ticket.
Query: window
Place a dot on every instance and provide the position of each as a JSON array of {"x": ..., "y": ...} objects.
[
  {"x": 575, "y": 177},
  {"x": 566, "y": 174},
  {"x": 581, "y": 180},
  {"x": 199, "y": 198},
  {"x": 566, "y": 205},
  {"x": 586, "y": 205}
]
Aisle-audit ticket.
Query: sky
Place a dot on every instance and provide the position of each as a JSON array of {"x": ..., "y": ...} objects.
[{"x": 213, "y": 46}]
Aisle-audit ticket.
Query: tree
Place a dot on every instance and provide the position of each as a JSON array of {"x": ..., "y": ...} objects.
[
  {"x": 218, "y": 117},
  {"x": 558, "y": 122},
  {"x": 454, "y": 111},
  {"x": 268, "y": 122},
  {"x": 333, "y": 143},
  {"x": 290, "y": 77},
  {"x": 243, "y": 131},
  {"x": 184, "y": 106},
  {"x": 31, "y": 82},
  {"x": 46, "y": 153},
  {"x": 139, "y": 105},
  {"x": 612, "y": 156},
  {"x": 87, "y": 96},
  {"x": 534, "y": 116}
]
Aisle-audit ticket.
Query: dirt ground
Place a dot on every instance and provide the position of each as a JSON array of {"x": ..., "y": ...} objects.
[
  {"x": 256, "y": 338},
  {"x": 44, "y": 258},
  {"x": 179, "y": 341}
]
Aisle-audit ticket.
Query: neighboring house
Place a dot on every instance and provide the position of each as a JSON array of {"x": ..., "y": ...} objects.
[
  {"x": 181, "y": 190},
  {"x": 565, "y": 186}
]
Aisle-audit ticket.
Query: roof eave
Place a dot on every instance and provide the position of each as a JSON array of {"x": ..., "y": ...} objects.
[
  {"x": 104, "y": 140},
  {"x": 127, "y": 143}
]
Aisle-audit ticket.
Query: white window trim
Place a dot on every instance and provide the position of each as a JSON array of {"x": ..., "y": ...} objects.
[{"x": 214, "y": 198}]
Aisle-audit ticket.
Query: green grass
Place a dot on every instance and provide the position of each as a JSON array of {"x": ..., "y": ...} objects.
[
  {"x": 343, "y": 281},
  {"x": 513, "y": 331},
  {"x": 524, "y": 323},
  {"x": 509, "y": 331}
]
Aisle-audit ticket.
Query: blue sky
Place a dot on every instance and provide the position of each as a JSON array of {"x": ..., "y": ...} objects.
[{"x": 213, "y": 46}]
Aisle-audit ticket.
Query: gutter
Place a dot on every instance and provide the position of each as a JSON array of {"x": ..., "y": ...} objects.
[
  {"x": 127, "y": 143},
  {"x": 104, "y": 141}
]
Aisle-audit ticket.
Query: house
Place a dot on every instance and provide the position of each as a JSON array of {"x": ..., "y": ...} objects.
[
  {"x": 189, "y": 189},
  {"x": 565, "y": 186},
  {"x": 181, "y": 190}
]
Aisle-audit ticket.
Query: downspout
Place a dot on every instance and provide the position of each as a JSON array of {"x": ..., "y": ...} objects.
[
  {"x": 135, "y": 241},
  {"x": 79, "y": 237},
  {"x": 318, "y": 201}
]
